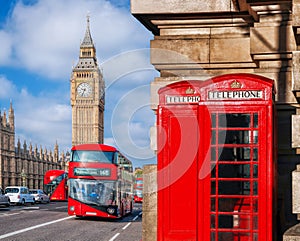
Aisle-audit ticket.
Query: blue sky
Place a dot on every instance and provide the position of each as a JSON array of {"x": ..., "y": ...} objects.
[{"x": 39, "y": 44}]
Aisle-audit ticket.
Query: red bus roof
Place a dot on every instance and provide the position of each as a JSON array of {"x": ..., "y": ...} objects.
[
  {"x": 54, "y": 172},
  {"x": 93, "y": 147}
]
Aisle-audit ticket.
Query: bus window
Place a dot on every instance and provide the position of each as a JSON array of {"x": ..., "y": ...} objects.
[{"x": 92, "y": 156}]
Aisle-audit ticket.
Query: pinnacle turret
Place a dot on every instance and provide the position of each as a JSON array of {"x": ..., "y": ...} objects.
[
  {"x": 11, "y": 116},
  {"x": 87, "y": 57},
  {"x": 87, "y": 41}
]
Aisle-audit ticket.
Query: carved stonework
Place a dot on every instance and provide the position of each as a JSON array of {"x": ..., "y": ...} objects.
[{"x": 87, "y": 95}]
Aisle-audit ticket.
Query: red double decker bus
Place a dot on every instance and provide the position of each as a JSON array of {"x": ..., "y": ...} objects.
[
  {"x": 138, "y": 189},
  {"x": 100, "y": 182},
  {"x": 55, "y": 185}
]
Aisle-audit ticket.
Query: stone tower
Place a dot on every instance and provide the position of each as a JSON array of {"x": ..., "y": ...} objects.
[{"x": 87, "y": 95}]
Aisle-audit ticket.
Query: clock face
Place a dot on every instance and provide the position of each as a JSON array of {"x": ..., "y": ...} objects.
[{"x": 84, "y": 90}]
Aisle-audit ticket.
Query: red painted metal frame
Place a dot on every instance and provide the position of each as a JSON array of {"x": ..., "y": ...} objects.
[{"x": 184, "y": 159}]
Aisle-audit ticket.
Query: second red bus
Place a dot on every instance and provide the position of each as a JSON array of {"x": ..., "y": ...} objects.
[{"x": 55, "y": 185}]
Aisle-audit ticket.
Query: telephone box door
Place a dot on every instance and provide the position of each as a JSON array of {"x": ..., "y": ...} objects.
[{"x": 237, "y": 206}]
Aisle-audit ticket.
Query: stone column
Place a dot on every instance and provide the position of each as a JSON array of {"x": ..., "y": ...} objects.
[
  {"x": 292, "y": 234},
  {"x": 149, "y": 232},
  {"x": 296, "y": 191}
]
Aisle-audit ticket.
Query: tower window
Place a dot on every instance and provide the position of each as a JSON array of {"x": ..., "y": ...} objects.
[{"x": 86, "y": 53}]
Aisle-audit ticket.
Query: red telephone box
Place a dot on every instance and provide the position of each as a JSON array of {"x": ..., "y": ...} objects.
[{"x": 216, "y": 166}]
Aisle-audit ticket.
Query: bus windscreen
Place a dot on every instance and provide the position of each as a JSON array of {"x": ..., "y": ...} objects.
[{"x": 93, "y": 191}]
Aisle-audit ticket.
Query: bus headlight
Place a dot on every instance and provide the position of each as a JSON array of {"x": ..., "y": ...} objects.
[
  {"x": 72, "y": 208},
  {"x": 110, "y": 210}
]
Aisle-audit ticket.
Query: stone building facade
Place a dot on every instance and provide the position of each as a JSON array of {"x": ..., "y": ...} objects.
[
  {"x": 197, "y": 39},
  {"x": 22, "y": 164}
]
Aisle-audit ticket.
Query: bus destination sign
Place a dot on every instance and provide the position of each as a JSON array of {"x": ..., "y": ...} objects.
[
  {"x": 99, "y": 172},
  {"x": 236, "y": 94}
]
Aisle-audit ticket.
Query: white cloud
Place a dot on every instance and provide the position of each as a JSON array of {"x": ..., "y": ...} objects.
[
  {"x": 130, "y": 123},
  {"x": 7, "y": 88},
  {"x": 127, "y": 63},
  {"x": 43, "y": 120},
  {"x": 6, "y": 48},
  {"x": 47, "y": 34}
]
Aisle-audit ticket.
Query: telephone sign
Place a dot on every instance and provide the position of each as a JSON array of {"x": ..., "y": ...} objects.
[
  {"x": 235, "y": 95},
  {"x": 216, "y": 160}
]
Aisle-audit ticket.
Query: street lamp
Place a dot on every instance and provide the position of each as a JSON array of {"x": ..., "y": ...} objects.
[{"x": 23, "y": 177}]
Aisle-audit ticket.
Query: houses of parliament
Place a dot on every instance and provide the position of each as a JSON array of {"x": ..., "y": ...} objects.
[{"x": 23, "y": 164}]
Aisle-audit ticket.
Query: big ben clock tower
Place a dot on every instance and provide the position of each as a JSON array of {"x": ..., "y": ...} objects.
[{"x": 87, "y": 95}]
